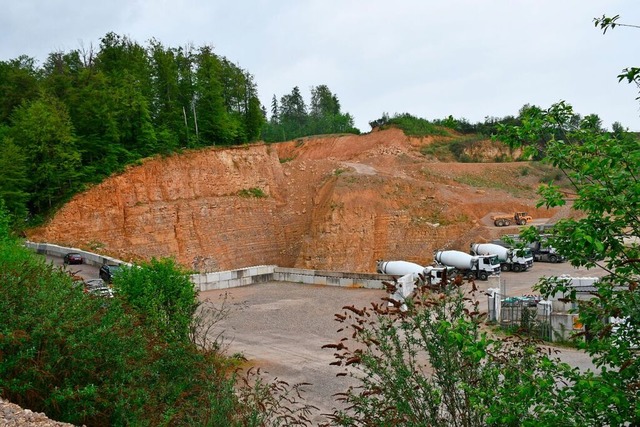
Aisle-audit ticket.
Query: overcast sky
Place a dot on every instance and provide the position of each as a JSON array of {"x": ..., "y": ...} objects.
[{"x": 466, "y": 58}]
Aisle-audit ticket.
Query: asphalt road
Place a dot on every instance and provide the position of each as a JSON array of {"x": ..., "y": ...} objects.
[
  {"x": 85, "y": 271},
  {"x": 281, "y": 327}
]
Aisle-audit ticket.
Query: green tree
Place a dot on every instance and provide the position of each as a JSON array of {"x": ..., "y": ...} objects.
[
  {"x": 242, "y": 100},
  {"x": 44, "y": 131},
  {"x": 325, "y": 114},
  {"x": 254, "y": 118},
  {"x": 293, "y": 114},
  {"x": 19, "y": 82},
  {"x": 324, "y": 109},
  {"x": 163, "y": 292},
  {"x": 602, "y": 168},
  {"x": 128, "y": 71},
  {"x": 187, "y": 89},
  {"x": 60, "y": 74},
  {"x": 92, "y": 106},
  {"x": 275, "y": 110},
  {"x": 213, "y": 123},
  {"x": 167, "y": 113},
  {"x": 14, "y": 180}
]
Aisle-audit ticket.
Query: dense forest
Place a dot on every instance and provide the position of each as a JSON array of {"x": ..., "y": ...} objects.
[{"x": 86, "y": 114}]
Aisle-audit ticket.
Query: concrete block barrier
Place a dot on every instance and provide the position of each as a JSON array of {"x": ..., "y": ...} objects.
[{"x": 242, "y": 276}]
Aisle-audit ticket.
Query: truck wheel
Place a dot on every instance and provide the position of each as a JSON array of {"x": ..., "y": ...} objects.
[
  {"x": 553, "y": 258},
  {"x": 506, "y": 222},
  {"x": 505, "y": 267},
  {"x": 516, "y": 268},
  {"x": 522, "y": 222},
  {"x": 483, "y": 276},
  {"x": 496, "y": 223}
]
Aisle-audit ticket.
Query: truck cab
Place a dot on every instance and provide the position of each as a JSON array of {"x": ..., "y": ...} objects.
[
  {"x": 487, "y": 265},
  {"x": 545, "y": 253}
]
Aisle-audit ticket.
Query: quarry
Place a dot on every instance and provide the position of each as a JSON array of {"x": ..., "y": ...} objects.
[{"x": 337, "y": 202}]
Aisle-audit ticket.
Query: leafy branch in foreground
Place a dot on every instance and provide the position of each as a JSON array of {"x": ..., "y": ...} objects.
[
  {"x": 437, "y": 364},
  {"x": 602, "y": 167},
  {"x": 631, "y": 74},
  {"x": 606, "y": 22}
]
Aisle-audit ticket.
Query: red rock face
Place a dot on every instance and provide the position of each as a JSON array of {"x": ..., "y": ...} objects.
[{"x": 333, "y": 203}]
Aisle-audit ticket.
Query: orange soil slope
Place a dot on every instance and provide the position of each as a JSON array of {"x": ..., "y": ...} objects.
[{"x": 334, "y": 203}]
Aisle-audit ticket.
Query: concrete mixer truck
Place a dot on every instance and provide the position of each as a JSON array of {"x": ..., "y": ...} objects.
[
  {"x": 540, "y": 250},
  {"x": 409, "y": 271},
  {"x": 511, "y": 259},
  {"x": 434, "y": 274},
  {"x": 478, "y": 266}
]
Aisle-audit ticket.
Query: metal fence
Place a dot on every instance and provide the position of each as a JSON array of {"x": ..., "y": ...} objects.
[{"x": 525, "y": 315}]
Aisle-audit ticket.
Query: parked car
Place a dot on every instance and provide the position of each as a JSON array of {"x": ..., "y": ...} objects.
[
  {"x": 98, "y": 287},
  {"x": 73, "y": 258},
  {"x": 107, "y": 271}
]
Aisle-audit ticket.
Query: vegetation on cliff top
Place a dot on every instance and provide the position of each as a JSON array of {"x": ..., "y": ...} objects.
[{"x": 84, "y": 115}]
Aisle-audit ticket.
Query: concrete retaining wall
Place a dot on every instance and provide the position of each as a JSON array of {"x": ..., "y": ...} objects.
[
  {"x": 242, "y": 276},
  {"x": 234, "y": 278},
  {"x": 60, "y": 251},
  {"x": 331, "y": 278},
  {"x": 273, "y": 273}
]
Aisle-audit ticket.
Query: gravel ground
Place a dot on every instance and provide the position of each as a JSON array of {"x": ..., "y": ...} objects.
[
  {"x": 14, "y": 416},
  {"x": 281, "y": 327}
]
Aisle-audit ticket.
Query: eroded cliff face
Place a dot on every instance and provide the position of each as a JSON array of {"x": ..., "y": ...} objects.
[{"x": 334, "y": 203}]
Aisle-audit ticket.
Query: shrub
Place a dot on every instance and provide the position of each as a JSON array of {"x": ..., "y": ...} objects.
[
  {"x": 412, "y": 126},
  {"x": 161, "y": 291},
  {"x": 252, "y": 192},
  {"x": 434, "y": 364},
  {"x": 118, "y": 361}
]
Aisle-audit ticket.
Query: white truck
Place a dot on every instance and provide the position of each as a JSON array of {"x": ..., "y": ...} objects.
[
  {"x": 408, "y": 272},
  {"x": 511, "y": 259},
  {"x": 478, "y": 266},
  {"x": 434, "y": 274},
  {"x": 539, "y": 250}
]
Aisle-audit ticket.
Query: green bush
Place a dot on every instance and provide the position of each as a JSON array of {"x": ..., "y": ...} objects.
[
  {"x": 412, "y": 126},
  {"x": 252, "y": 192},
  {"x": 453, "y": 149},
  {"x": 126, "y": 360},
  {"x": 162, "y": 292},
  {"x": 435, "y": 364}
]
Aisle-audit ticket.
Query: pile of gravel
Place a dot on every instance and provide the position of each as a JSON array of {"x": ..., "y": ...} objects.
[{"x": 12, "y": 415}]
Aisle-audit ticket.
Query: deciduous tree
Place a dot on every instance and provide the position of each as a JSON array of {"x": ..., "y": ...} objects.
[
  {"x": 603, "y": 170},
  {"x": 44, "y": 131}
]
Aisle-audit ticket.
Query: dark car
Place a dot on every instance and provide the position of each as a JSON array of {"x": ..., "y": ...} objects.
[
  {"x": 107, "y": 271},
  {"x": 73, "y": 258}
]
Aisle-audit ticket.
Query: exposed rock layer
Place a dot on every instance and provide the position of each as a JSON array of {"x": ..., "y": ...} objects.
[{"x": 335, "y": 203}]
